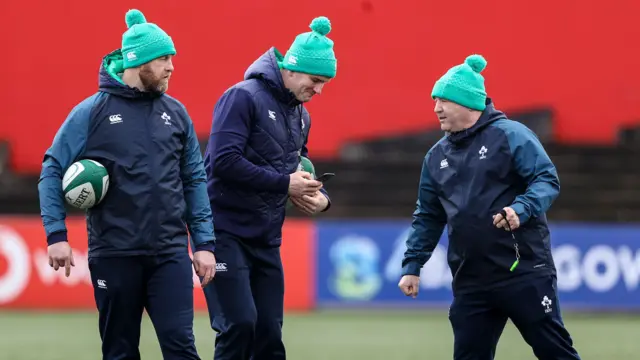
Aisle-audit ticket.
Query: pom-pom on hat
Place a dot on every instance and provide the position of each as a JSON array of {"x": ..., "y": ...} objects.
[
  {"x": 143, "y": 41},
  {"x": 312, "y": 52}
]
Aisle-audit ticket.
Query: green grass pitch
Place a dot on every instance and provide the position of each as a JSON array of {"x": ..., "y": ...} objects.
[{"x": 322, "y": 335}]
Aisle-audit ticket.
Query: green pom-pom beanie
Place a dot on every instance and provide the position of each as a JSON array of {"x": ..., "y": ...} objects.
[
  {"x": 312, "y": 52},
  {"x": 143, "y": 41},
  {"x": 463, "y": 84}
]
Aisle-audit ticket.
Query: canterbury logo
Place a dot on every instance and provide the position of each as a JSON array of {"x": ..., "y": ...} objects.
[
  {"x": 115, "y": 119},
  {"x": 221, "y": 267},
  {"x": 102, "y": 284}
]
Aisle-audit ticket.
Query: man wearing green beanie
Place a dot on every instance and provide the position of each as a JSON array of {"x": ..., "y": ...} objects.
[
  {"x": 260, "y": 130},
  {"x": 139, "y": 232},
  {"x": 491, "y": 182}
]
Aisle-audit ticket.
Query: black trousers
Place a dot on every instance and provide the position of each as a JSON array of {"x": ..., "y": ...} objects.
[
  {"x": 478, "y": 321},
  {"x": 246, "y": 301},
  {"x": 125, "y": 286}
]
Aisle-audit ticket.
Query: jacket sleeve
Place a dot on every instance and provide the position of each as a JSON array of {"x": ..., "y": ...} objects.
[
  {"x": 535, "y": 167},
  {"x": 230, "y": 133},
  {"x": 429, "y": 220},
  {"x": 67, "y": 147},
  {"x": 194, "y": 180},
  {"x": 305, "y": 152}
]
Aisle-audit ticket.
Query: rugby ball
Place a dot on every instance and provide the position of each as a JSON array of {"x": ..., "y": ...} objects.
[
  {"x": 85, "y": 184},
  {"x": 304, "y": 165}
]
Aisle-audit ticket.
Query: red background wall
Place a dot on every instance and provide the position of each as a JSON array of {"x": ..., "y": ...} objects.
[{"x": 583, "y": 61}]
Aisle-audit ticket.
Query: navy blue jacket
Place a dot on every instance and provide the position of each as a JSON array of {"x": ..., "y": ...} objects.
[
  {"x": 157, "y": 186},
  {"x": 258, "y": 133},
  {"x": 468, "y": 177}
]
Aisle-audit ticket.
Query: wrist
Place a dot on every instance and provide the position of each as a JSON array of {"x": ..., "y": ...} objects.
[
  {"x": 283, "y": 184},
  {"x": 412, "y": 268},
  {"x": 56, "y": 237},
  {"x": 519, "y": 209},
  {"x": 324, "y": 203},
  {"x": 328, "y": 202},
  {"x": 208, "y": 246}
]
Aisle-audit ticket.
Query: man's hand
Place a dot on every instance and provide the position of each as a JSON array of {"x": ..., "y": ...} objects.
[
  {"x": 512, "y": 217},
  {"x": 409, "y": 285},
  {"x": 60, "y": 255},
  {"x": 204, "y": 262},
  {"x": 311, "y": 205},
  {"x": 301, "y": 183}
]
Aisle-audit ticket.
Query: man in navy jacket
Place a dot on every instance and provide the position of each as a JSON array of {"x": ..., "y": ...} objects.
[
  {"x": 259, "y": 132},
  {"x": 491, "y": 182},
  {"x": 138, "y": 239}
]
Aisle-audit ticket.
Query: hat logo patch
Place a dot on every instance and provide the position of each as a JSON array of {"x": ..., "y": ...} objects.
[
  {"x": 293, "y": 60},
  {"x": 131, "y": 55}
]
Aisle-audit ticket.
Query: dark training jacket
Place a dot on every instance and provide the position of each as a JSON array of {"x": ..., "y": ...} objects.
[
  {"x": 468, "y": 177},
  {"x": 258, "y": 134},
  {"x": 157, "y": 186}
]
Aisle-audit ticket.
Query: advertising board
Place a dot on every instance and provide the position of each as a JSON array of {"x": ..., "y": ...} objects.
[{"x": 359, "y": 264}]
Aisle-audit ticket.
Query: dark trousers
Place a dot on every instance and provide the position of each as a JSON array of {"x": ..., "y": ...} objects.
[
  {"x": 478, "y": 321},
  {"x": 125, "y": 286},
  {"x": 246, "y": 301}
]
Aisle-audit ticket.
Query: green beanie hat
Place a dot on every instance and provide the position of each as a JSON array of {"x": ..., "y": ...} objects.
[
  {"x": 143, "y": 41},
  {"x": 463, "y": 84},
  {"x": 312, "y": 52}
]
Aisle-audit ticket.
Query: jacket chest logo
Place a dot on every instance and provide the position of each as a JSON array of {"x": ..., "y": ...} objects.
[
  {"x": 166, "y": 118},
  {"x": 272, "y": 116},
  {"x": 483, "y": 155},
  {"x": 115, "y": 119},
  {"x": 483, "y": 152}
]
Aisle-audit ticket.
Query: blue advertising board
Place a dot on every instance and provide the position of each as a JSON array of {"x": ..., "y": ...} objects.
[{"x": 359, "y": 264}]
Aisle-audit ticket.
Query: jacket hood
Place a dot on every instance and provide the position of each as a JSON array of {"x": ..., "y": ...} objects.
[
  {"x": 110, "y": 78},
  {"x": 267, "y": 69},
  {"x": 489, "y": 115}
]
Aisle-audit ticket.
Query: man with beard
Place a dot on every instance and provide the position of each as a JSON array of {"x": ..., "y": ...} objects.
[
  {"x": 138, "y": 238},
  {"x": 490, "y": 181},
  {"x": 259, "y": 132}
]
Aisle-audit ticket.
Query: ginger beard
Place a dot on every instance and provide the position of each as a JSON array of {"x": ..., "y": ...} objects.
[{"x": 154, "y": 81}]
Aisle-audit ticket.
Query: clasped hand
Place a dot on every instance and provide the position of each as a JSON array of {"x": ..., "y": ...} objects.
[{"x": 305, "y": 193}]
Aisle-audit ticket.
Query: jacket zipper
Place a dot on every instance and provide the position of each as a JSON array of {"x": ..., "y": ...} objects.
[{"x": 155, "y": 221}]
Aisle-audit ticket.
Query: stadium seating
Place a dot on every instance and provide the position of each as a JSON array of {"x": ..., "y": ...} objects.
[{"x": 4, "y": 156}]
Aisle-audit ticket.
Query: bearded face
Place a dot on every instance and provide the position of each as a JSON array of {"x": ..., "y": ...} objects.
[{"x": 155, "y": 74}]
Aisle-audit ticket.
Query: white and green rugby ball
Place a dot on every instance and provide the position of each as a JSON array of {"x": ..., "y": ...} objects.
[{"x": 85, "y": 183}]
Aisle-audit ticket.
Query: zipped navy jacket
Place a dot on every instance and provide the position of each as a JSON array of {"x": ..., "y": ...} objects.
[
  {"x": 468, "y": 177},
  {"x": 259, "y": 132},
  {"x": 157, "y": 187}
]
